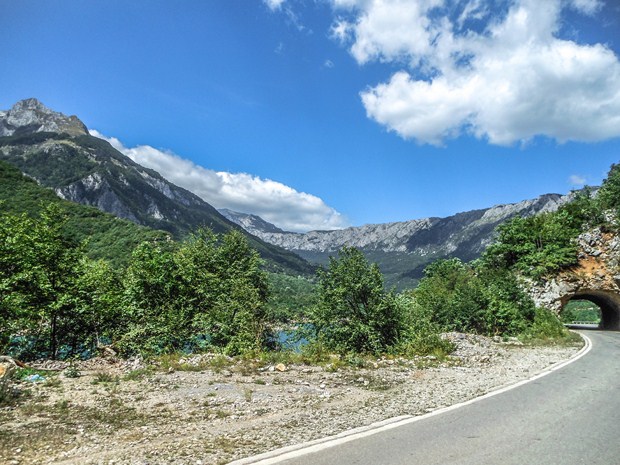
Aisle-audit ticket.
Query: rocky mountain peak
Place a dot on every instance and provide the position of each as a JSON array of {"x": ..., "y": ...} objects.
[{"x": 30, "y": 115}]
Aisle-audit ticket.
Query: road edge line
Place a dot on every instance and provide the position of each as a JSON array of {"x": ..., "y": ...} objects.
[{"x": 305, "y": 448}]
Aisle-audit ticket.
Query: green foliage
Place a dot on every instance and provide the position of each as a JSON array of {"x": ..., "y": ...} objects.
[
  {"x": 583, "y": 211},
  {"x": 546, "y": 327},
  {"x": 291, "y": 297},
  {"x": 72, "y": 371},
  {"x": 609, "y": 193},
  {"x": 421, "y": 335},
  {"x": 239, "y": 320},
  {"x": 39, "y": 269},
  {"x": 535, "y": 246},
  {"x": 206, "y": 290},
  {"x": 454, "y": 296},
  {"x": 55, "y": 302},
  {"x": 581, "y": 310},
  {"x": 354, "y": 312},
  {"x": 540, "y": 245}
]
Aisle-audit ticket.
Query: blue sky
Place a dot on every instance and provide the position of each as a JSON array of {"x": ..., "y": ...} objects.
[{"x": 318, "y": 114}]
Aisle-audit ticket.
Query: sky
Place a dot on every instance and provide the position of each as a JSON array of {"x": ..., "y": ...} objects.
[{"x": 324, "y": 114}]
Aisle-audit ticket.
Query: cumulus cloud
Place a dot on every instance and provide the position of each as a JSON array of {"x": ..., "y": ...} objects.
[
  {"x": 273, "y": 201},
  {"x": 505, "y": 77}
]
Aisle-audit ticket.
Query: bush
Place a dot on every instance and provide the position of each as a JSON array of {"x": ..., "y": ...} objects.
[
  {"x": 546, "y": 327},
  {"x": 354, "y": 313},
  {"x": 454, "y": 296},
  {"x": 207, "y": 290}
]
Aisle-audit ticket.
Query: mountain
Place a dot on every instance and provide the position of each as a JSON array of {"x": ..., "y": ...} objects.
[
  {"x": 403, "y": 249},
  {"x": 31, "y": 116},
  {"x": 253, "y": 224},
  {"x": 103, "y": 235},
  {"x": 57, "y": 151}
]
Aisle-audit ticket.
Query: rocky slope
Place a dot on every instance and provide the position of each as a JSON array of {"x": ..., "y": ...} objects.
[
  {"x": 403, "y": 249},
  {"x": 58, "y": 153},
  {"x": 253, "y": 224},
  {"x": 595, "y": 278}
]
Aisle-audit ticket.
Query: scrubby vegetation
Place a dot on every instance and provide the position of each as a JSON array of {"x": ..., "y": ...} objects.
[
  {"x": 61, "y": 297},
  {"x": 539, "y": 245},
  {"x": 103, "y": 236},
  {"x": 208, "y": 290}
]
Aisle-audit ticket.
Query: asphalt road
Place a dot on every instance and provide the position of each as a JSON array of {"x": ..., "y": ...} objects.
[{"x": 571, "y": 416}]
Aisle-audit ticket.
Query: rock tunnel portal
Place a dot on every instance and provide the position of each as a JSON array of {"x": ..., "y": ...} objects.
[{"x": 607, "y": 301}]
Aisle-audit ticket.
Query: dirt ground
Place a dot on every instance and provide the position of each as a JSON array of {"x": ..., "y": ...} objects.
[{"x": 210, "y": 409}]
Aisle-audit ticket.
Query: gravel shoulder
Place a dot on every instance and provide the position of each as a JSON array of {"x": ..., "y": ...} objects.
[{"x": 212, "y": 410}]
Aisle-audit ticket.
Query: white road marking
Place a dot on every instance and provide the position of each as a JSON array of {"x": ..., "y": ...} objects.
[{"x": 298, "y": 450}]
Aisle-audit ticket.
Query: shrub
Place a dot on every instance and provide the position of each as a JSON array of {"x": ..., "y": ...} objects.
[
  {"x": 354, "y": 313},
  {"x": 545, "y": 327},
  {"x": 454, "y": 296}
]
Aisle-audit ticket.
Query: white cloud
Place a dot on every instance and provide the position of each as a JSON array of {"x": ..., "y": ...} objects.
[
  {"x": 341, "y": 30},
  {"x": 273, "y": 201},
  {"x": 474, "y": 10},
  {"x": 328, "y": 64},
  {"x": 388, "y": 30},
  {"x": 577, "y": 180},
  {"x": 274, "y": 5},
  {"x": 588, "y": 7},
  {"x": 508, "y": 80}
]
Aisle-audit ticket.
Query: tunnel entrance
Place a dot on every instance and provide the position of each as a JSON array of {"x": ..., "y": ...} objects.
[
  {"x": 581, "y": 312},
  {"x": 591, "y": 304}
]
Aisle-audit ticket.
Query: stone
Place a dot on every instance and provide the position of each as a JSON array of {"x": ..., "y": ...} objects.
[
  {"x": 280, "y": 367},
  {"x": 5, "y": 370}
]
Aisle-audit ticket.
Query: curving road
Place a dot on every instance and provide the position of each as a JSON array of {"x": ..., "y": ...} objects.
[{"x": 571, "y": 416}]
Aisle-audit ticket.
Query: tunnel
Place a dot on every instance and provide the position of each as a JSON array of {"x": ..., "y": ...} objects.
[{"x": 607, "y": 301}]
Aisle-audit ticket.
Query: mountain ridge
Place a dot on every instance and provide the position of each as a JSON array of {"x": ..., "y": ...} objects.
[
  {"x": 403, "y": 249},
  {"x": 88, "y": 170}
]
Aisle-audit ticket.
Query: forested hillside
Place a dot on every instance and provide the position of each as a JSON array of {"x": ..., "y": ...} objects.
[{"x": 103, "y": 235}]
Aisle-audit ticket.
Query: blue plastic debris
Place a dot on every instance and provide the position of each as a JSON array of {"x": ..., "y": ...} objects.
[{"x": 35, "y": 378}]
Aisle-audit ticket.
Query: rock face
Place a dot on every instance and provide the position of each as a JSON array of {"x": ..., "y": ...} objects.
[
  {"x": 403, "y": 249},
  {"x": 251, "y": 223},
  {"x": 30, "y": 115},
  {"x": 596, "y": 278},
  {"x": 59, "y": 153}
]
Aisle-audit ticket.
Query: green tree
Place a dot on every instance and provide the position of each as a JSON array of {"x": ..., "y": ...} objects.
[
  {"x": 609, "y": 193},
  {"x": 463, "y": 297},
  {"x": 100, "y": 309},
  {"x": 536, "y": 245},
  {"x": 209, "y": 289},
  {"x": 240, "y": 320},
  {"x": 354, "y": 312},
  {"x": 154, "y": 322},
  {"x": 452, "y": 295},
  {"x": 39, "y": 269}
]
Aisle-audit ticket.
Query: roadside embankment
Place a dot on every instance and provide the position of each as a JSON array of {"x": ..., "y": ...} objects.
[{"x": 211, "y": 410}]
